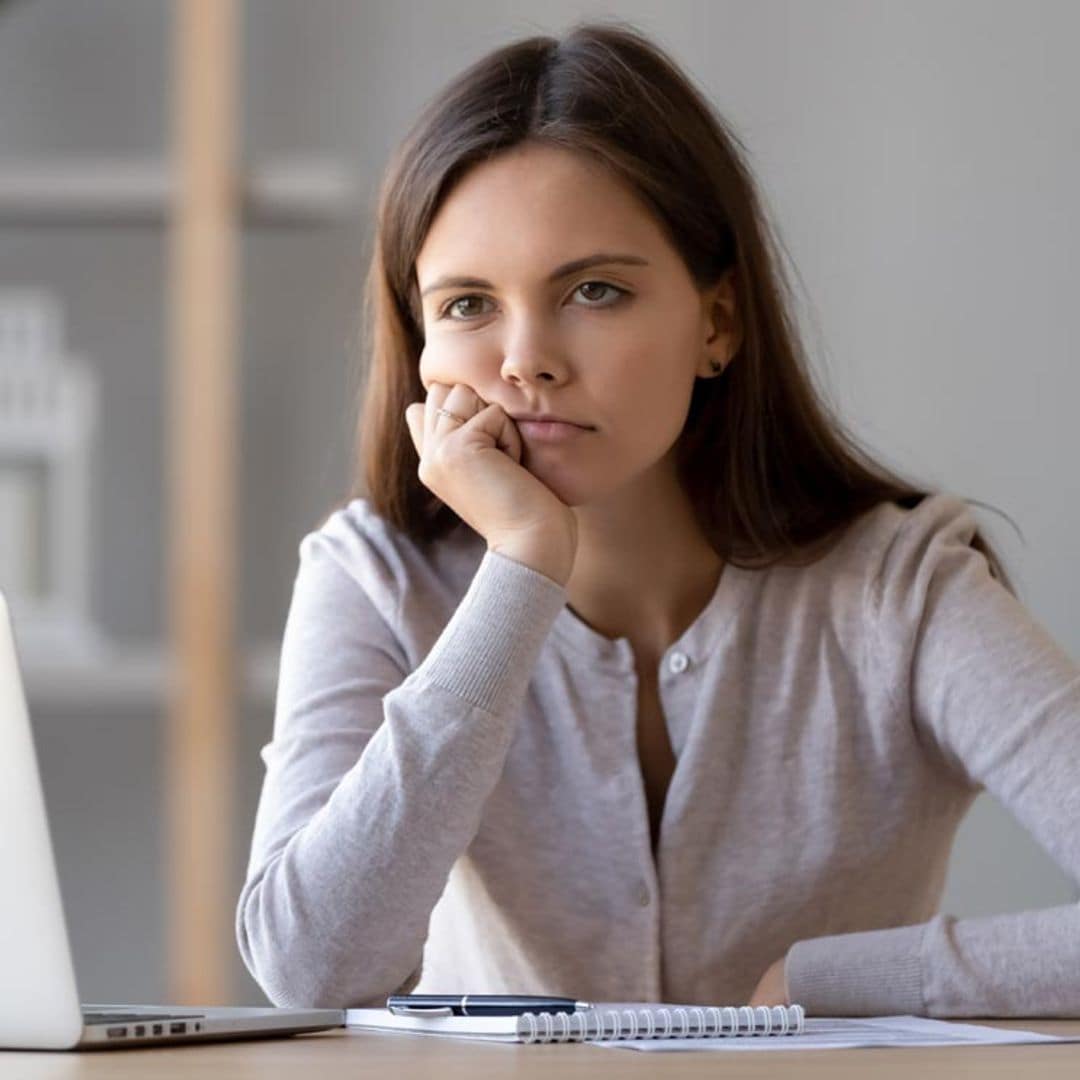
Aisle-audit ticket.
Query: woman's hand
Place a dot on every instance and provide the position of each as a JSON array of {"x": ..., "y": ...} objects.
[
  {"x": 772, "y": 988},
  {"x": 475, "y": 468}
]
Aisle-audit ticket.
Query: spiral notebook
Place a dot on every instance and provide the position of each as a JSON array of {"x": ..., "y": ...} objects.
[{"x": 604, "y": 1022}]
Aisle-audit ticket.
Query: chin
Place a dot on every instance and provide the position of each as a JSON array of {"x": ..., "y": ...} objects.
[{"x": 568, "y": 487}]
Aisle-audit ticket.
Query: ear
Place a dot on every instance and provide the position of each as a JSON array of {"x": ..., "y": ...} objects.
[{"x": 721, "y": 325}]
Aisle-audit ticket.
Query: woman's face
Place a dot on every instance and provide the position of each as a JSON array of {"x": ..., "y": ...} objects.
[{"x": 615, "y": 345}]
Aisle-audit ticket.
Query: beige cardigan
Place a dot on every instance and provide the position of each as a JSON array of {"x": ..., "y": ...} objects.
[{"x": 453, "y": 800}]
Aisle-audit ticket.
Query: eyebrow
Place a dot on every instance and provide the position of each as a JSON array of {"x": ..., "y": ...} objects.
[{"x": 601, "y": 258}]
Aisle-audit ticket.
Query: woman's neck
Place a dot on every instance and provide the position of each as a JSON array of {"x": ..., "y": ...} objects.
[{"x": 644, "y": 570}]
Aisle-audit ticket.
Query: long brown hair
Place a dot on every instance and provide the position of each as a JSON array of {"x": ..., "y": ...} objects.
[{"x": 772, "y": 474}]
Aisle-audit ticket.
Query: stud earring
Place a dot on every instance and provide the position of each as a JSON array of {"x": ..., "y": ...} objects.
[{"x": 717, "y": 366}]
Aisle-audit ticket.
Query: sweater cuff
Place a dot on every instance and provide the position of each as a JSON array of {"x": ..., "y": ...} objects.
[
  {"x": 869, "y": 973},
  {"x": 487, "y": 652}
]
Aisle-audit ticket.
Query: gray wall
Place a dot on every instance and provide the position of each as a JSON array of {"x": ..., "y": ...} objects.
[{"x": 919, "y": 159}]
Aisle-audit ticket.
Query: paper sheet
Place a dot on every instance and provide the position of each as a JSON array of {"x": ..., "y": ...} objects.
[{"x": 830, "y": 1033}]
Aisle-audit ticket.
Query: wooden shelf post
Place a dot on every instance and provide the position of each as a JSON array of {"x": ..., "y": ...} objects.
[{"x": 201, "y": 527}]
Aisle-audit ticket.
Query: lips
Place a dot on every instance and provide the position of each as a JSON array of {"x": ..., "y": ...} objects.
[
  {"x": 547, "y": 418},
  {"x": 550, "y": 431}
]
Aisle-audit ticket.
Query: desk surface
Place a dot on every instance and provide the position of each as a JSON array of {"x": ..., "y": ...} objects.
[{"x": 353, "y": 1054}]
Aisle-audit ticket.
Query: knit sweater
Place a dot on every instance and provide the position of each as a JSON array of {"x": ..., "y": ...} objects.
[{"x": 453, "y": 800}]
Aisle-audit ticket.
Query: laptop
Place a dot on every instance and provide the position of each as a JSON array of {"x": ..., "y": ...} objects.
[{"x": 39, "y": 1001}]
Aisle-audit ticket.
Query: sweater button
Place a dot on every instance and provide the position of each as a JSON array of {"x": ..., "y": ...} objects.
[{"x": 678, "y": 662}]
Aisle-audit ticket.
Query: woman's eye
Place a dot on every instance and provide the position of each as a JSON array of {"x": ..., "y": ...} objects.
[
  {"x": 603, "y": 285},
  {"x": 455, "y": 313},
  {"x": 453, "y": 304}
]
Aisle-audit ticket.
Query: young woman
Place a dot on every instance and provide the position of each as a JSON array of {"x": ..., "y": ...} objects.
[{"x": 678, "y": 696}]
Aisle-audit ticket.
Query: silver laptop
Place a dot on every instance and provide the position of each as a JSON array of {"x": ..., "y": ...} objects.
[{"x": 39, "y": 1001}]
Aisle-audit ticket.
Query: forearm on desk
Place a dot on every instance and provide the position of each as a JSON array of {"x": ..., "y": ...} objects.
[
  {"x": 340, "y": 891},
  {"x": 1017, "y": 964}
]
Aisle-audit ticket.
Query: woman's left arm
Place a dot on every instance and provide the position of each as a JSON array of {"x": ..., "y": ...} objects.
[{"x": 998, "y": 700}]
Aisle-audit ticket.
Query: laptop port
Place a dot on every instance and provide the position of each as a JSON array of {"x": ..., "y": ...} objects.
[
  {"x": 177, "y": 1029},
  {"x": 158, "y": 1029},
  {"x": 116, "y": 1032},
  {"x": 140, "y": 1029}
]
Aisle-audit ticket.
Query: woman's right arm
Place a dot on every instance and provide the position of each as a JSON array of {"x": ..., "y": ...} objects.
[{"x": 376, "y": 778}]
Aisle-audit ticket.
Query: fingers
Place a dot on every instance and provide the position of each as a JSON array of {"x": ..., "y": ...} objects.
[
  {"x": 414, "y": 420},
  {"x": 459, "y": 399},
  {"x": 425, "y": 421},
  {"x": 508, "y": 438}
]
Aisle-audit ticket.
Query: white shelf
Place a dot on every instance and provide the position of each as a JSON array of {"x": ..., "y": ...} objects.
[
  {"x": 133, "y": 677},
  {"x": 110, "y": 191}
]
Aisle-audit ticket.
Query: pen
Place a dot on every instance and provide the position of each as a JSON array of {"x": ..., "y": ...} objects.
[{"x": 478, "y": 1005}]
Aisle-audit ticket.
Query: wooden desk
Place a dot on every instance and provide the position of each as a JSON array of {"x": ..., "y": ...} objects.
[{"x": 353, "y": 1055}]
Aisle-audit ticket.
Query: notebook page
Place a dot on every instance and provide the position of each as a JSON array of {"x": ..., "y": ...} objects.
[
  {"x": 834, "y": 1033},
  {"x": 491, "y": 1028},
  {"x": 666, "y": 1021}
]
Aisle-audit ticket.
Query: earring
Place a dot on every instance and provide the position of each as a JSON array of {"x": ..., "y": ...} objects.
[{"x": 717, "y": 366}]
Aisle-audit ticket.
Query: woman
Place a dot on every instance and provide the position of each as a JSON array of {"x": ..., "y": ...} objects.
[{"x": 682, "y": 698}]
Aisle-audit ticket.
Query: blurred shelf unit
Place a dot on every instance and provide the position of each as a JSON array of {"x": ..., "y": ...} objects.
[
  {"x": 132, "y": 677},
  {"x": 49, "y": 403},
  {"x": 79, "y": 192},
  {"x": 115, "y": 191}
]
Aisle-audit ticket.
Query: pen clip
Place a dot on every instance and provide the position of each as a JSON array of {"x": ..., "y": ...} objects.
[{"x": 415, "y": 1010}]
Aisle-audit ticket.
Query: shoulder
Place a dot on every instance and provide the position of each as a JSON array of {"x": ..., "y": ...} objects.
[
  {"x": 906, "y": 538},
  {"x": 887, "y": 540},
  {"x": 891, "y": 534},
  {"x": 911, "y": 555},
  {"x": 358, "y": 540},
  {"x": 355, "y": 540},
  {"x": 886, "y": 551}
]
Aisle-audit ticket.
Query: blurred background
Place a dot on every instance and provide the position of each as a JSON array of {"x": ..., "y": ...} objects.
[{"x": 920, "y": 160}]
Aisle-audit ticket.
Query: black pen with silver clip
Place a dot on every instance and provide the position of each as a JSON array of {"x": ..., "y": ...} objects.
[{"x": 479, "y": 1005}]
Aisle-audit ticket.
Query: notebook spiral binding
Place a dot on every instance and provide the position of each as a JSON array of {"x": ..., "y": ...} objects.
[{"x": 681, "y": 1022}]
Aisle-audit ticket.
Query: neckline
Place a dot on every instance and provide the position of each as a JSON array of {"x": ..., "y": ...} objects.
[{"x": 713, "y": 624}]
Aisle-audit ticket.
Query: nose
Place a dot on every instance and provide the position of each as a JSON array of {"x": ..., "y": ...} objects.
[{"x": 529, "y": 359}]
